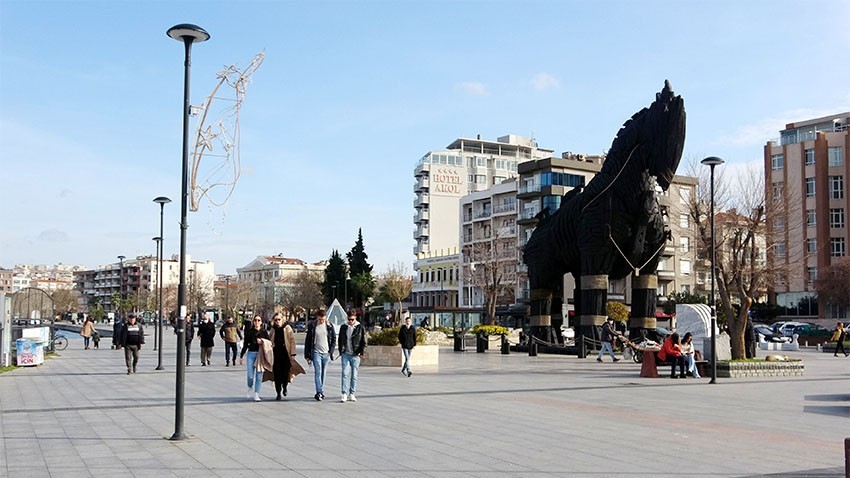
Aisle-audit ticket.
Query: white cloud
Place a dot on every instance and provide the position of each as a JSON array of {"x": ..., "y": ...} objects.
[
  {"x": 53, "y": 235},
  {"x": 473, "y": 88},
  {"x": 544, "y": 81}
]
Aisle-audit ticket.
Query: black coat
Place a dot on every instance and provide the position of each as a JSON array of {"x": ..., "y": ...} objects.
[
  {"x": 206, "y": 331},
  {"x": 358, "y": 339},
  {"x": 407, "y": 337}
]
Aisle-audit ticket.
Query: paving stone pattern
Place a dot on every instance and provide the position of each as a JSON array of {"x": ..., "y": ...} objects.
[{"x": 474, "y": 415}]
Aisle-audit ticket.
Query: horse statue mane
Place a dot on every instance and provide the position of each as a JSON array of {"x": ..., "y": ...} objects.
[{"x": 614, "y": 226}]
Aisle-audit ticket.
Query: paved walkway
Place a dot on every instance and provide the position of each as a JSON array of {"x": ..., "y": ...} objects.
[{"x": 479, "y": 415}]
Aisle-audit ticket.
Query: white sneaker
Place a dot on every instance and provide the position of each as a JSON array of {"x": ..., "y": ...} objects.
[
  {"x": 249, "y": 393},
  {"x": 256, "y": 397},
  {"x": 344, "y": 398},
  {"x": 352, "y": 398}
]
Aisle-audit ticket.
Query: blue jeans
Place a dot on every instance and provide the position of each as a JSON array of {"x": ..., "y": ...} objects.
[
  {"x": 606, "y": 346},
  {"x": 320, "y": 369},
  {"x": 255, "y": 377},
  {"x": 350, "y": 363},
  {"x": 691, "y": 365},
  {"x": 406, "y": 353}
]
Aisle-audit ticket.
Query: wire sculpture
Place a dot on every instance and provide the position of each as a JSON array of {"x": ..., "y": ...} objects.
[{"x": 221, "y": 138}]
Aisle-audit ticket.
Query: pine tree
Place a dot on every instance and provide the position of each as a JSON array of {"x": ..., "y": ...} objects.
[
  {"x": 361, "y": 284},
  {"x": 334, "y": 278}
]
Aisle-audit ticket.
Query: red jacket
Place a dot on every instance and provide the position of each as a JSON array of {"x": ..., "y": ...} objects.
[{"x": 668, "y": 348}]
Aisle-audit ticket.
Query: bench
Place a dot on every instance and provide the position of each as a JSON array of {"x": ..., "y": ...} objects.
[{"x": 651, "y": 362}]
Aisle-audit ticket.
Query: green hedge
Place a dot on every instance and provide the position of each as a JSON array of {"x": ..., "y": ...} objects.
[{"x": 390, "y": 336}]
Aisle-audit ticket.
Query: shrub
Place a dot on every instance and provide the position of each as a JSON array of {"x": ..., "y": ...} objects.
[
  {"x": 490, "y": 329},
  {"x": 617, "y": 311},
  {"x": 389, "y": 336}
]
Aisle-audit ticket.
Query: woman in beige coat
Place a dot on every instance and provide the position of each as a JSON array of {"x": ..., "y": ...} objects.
[{"x": 88, "y": 330}]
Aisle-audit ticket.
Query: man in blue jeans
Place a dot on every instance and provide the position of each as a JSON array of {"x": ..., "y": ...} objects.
[
  {"x": 318, "y": 350},
  {"x": 352, "y": 345}
]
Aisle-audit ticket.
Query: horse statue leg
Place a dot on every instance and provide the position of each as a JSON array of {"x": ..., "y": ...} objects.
[
  {"x": 540, "y": 320},
  {"x": 644, "y": 293},
  {"x": 592, "y": 307}
]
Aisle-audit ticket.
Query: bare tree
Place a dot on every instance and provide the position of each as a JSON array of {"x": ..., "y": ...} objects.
[
  {"x": 742, "y": 241},
  {"x": 64, "y": 301},
  {"x": 302, "y": 292},
  {"x": 493, "y": 270},
  {"x": 396, "y": 284},
  {"x": 833, "y": 284}
]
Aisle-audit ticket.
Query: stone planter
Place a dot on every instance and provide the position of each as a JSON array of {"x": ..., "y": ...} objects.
[
  {"x": 759, "y": 369},
  {"x": 391, "y": 356}
]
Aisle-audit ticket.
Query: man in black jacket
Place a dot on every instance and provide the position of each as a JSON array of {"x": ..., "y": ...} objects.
[
  {"x": 407, "y": 340},
  {"x": 131, "y": 338},
  {"x": 352, "y": 346}
]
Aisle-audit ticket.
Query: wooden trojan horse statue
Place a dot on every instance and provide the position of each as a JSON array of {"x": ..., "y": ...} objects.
[{"x": 612, "y": 228}]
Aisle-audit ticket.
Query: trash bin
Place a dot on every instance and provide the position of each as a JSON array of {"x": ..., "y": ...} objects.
[
  {"x": 460, "y": 346},
  {"x": 506, "y": 347},
  {"x": 481, "y": 342},
  {"x": 29, "y": 353}
]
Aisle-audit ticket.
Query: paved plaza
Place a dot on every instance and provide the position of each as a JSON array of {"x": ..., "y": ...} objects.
[{"x": 480, "y": 415}]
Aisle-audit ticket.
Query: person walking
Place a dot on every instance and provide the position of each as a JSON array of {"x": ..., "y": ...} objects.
[
  {"x": 283, "y": 343},
  {"x": 131, "y": 338},
  {"x": 352, "y": 345},
  {"x": 231, "y": 334},
  {"x": 206, "y": 332},
  {"x": 318, "y": 350},
  {"x": 608, "y": 336},
  {"x": 839, "y": 335},
  {"x": 190, "y": 334},
  {"x": 749, "y": 339},
  {"x": 117, "y": 325},
  {"x": 254, "y": 337},
  {"x": 407, "y": 340},
  {"x": 87, "y": 332}
]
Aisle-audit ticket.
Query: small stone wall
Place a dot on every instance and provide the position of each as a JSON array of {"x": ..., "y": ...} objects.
[
  {"x": 759, "y": 369},
  {"x": 390, "y": 356}
]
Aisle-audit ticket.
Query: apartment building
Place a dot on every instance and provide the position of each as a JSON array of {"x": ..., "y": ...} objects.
[
  {"x": 806, "y": 176},
  {"x": 139, "y": 277},
  {"x": 442, "y": 177},
  {"x": 6, "y": 281}
]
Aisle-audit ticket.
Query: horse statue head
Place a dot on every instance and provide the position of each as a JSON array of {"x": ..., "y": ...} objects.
[{"x": 654, "y": 136}]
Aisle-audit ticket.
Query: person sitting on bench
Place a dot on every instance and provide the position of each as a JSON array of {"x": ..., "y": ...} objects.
[
  {"x": 690, "y": 354},
  {"x": 672, "y": 351}
]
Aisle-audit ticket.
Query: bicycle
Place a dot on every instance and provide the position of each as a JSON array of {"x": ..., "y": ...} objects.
[{"x": 59, "y": 343}]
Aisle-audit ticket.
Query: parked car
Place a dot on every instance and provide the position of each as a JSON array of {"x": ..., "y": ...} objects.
[
  {"x": 787, "y": 328},
  {"x": 812, "y": 330},
  {"x": 765, "y": 333},
  {"x": 300, "y": 326}
]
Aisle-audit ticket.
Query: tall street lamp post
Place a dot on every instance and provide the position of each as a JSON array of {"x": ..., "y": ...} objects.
[
  {"x": 188, "y": 34},
  {"x": 121, "y": 282},
  {"x": 162, "y": 201},
  {"x": 711, "y": 162},
  {"x": 158, "y": 241}
]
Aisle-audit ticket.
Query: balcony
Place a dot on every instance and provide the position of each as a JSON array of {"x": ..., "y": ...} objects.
[
  {"x": 483, "y": 214},
  {"x": 528, "y": 189},
  {"x": 423, "y": 183},
  {"x": 421, "y": 231},
  {"x": 422, "y": 169},
  {"x": 422, "y": 200},
  {"x": 528, "y": 213},
  {"x": 505, "y": 208},
  {"x": 422, "y": 215},
  {"x": 467, "y": 217},
  {"x": 666, "y": 274}
]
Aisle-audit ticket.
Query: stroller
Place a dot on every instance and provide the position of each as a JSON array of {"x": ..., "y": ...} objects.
[{"x": 635, "y": 350}]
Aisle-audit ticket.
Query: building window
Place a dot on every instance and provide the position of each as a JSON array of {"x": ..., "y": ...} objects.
[
  {"x": 684, "y": 244},
  {"x": 470, "y": 178},
  {"x": 811, "y": 218},
  {"x": 812, "y": 246},
  {"x": 777, "y": 191},
  {"x": 836, "y": 217},
  {"x": 811, "y": 274},
  {"x": 810, "y": 187},
  {"x": 684, "y": 220},
  {"x": 480, "y": 179},
  {"x": 780, "y": 249},
  {"x": 480, "y": 162},
  {"x": 778, "y": 223},
  {"x": 836, "y": 187},
  {"x": 836, "y": 156},
  {"x": 550, "y": 178},
  {"x": 685, "y": 195},
  {"x": 837, "y": 247},
  {"x": 684, "y": 267},
  {"x": 777, "y": 161},
  {"x": 810, "y": 157}
]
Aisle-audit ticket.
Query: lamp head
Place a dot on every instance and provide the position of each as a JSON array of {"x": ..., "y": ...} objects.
[
  {"x": 185, "y": 31},
  {"x": 162, "y": 200},
  {"x": 121, "y": 258},
  {"x": 712, "y": 161},
  {"x": 156, "y": 239}
]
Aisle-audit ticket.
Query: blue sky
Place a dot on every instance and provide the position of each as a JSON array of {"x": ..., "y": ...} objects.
[{"x": 352, "y": 94}]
